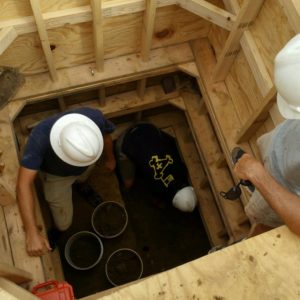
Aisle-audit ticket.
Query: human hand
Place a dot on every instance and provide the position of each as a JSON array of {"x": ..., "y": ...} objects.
[
  {"x": 248, "y": 167},
  {"x": 37, "y": 244}
]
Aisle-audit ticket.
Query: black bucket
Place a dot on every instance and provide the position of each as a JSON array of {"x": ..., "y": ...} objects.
[
  {"x": 109, "y": 219},
  {"x": 83, "y": 250}
]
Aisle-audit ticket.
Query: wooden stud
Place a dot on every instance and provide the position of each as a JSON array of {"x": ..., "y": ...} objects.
[
  {"x": 210, "y": 12},
  {"x": 148, "y": 28},
  {"x": 248, "y": 12},
  {"x": 141, "y": 86},
  {"x": 35, "y": 5},
  {"x": 102, "y": 97},
  {"x": 98, "y": 33},
  {"x": 257, "y": 117},
  {"x": 190, "y": 69},
  {"x": 61, "y": 103},
  {"x": 178, "y": 102},
  {"x": 7, "y": 36}
]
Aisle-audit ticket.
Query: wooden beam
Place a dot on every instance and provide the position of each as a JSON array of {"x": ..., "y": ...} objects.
[
  {"x": 141, "y": 86},
  {"x": 35, "y": 5},
  {"x": 102, "y": 96},
  {"x": 11, "y": 291},
  {"x": 148, "y": 29},
  {"x": 247, "y": 13},
  {"x": 292, "y": 11},
  {"x": 7, "y": 36},
  {"x": 190, "y": 69},
  {"x": 118, "y": 70},
  {"x": 80, "y": 14},
  {"x": 209, "y": 12},
  {"x": 14, "y": 274},
  {"x": 257, "y": 118},
  {"x": 256, "y": 63},
  {"x": 98, "y": 33}
]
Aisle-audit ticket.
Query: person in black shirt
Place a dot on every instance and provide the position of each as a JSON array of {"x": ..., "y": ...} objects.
[{"x": 153, "y": 152}]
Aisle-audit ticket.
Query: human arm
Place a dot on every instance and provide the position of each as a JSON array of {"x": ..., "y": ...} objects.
[
  {"x": 36, "y": 244},
  {"x": 283, "y": 202},
  {"x": 110, "y": 161}
]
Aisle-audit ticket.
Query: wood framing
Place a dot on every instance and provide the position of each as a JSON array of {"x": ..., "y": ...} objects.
[
  {"x": 35, "y": 5},
  {"x": 246, "y": 15},
  {"x": 98, "y": 33},
  {"x": 148, "y": 29},
  {"x": 7, "y": 36}
]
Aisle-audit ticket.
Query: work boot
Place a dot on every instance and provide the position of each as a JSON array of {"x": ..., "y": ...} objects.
[
  {"x": 53, "y": 237},
  {"x": 88, "y": 194},
  {"x": 236, "y": 154}
]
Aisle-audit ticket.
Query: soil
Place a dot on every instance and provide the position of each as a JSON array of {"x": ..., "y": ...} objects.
[
  {"x": 109, "y": 219},
  {"x": 79, "y": 248},
  {"x": 123, "y": 266}
]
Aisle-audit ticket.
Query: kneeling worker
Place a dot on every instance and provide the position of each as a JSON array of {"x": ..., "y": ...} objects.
[
  {"x": 63, "y": 149},
  {"x": 153, "y": 153}
]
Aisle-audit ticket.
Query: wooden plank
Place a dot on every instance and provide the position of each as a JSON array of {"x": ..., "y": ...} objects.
[
  {"x": 178, "y": 102},
  {"x": 35, "y": 5},
  {"x": 80, "y": 14},
  {"x": 7, "y": 36},
  {"x": 220, "y": 178},
  {"x": 14, "y": 274},
  {"x": 251, "y": 269},
  {"x": 257, "y": 118},
  {"x": 120, "y": 69},
  {"x": 5, "y": 252},
  {"x": 9, "y": 156},
  {"x": 98, "y": 33},
  {"x": 246, "y": 15},
  {"x": 219, "y": 104},
  {"x": 102, "y": 97},
  {"x": 141, "y": 87},
  {"x": 209, "y": 12},
  {"x": 11, "y": 291},
  {"x": 256, "y": 63},
  {"x": 190, "y": 69},
  {"x": 206, "y": 202},
  {"x": 292, "y": 11},
  {"x": 148, "y": 29}
]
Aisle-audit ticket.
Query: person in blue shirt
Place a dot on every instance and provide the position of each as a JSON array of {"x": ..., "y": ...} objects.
[{"x": 62, "y": 149}]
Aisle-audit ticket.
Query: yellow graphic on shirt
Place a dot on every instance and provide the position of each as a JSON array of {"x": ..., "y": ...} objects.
[{"x": 159, "y": 166}]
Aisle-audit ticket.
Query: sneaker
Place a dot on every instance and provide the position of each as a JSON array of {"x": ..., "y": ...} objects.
[
  {"x": 236, "y": 154},
  {"x": 53, "y": 237},
  {"x": 88, "y": 194}
]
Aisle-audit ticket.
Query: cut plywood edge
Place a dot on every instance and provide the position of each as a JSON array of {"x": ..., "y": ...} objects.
[
  {"x": 251, "y": 269},
  {"x": 11, "y": 291},
  {"x": 190, "y": 69},
  {"x": 178, "y": 102}
]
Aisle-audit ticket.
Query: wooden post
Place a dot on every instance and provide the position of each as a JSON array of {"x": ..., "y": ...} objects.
[
  {"x": 35, "y": 5},
  {"x": 98, "y": 33},
  {"x": 148, "y": 28}
]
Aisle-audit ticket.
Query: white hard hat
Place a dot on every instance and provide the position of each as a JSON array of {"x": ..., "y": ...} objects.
[
  {"x": 185, "y": 199},
  {"x": 287, "y": 82},
  {"x": 76, "y": 139}
]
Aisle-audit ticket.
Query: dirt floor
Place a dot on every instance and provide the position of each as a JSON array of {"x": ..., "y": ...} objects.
[{"x": 163, "y": 236}]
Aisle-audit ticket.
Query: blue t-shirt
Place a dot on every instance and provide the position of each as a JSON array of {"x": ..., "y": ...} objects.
[{"x": 38, "y": 153}]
